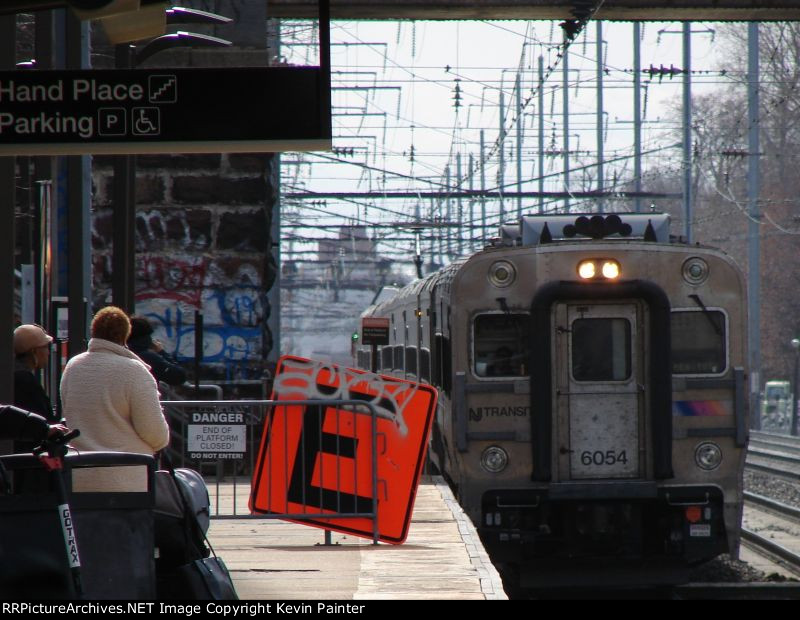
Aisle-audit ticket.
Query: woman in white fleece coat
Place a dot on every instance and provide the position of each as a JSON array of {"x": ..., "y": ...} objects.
[{"x": 109, "y": 394}]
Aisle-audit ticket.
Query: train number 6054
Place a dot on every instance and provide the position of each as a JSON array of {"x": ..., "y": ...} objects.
[{"x": 609, "y": 457}]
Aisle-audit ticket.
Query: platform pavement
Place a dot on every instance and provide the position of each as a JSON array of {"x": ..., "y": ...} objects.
[{"x": 271, "y": 559}]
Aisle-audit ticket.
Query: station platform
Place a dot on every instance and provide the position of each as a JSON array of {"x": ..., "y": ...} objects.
[{"x": 271, "y": 559}]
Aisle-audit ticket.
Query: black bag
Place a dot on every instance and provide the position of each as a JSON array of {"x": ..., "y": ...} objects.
[
  {"x": 184, "y": 569},
  {"x": 175, "y": 486},
  {"x": 202, "y": 580},
  {"x": 179, "y": 537}
]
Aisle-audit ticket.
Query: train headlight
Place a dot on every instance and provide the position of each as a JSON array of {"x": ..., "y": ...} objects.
[
  {"x": 708, "y": 456},
  {"x": 587, "y": 269},
  {"x": 695, "y": 270},
  {"x": 610, "y": 269},
  {"x": 494, "y": 459},
  {"x": 502, "y": 273},
  {"x": 599, "y": 268}
]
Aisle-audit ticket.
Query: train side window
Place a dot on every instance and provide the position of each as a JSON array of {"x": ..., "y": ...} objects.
[
  {"x": 411, "y": 360},
  {"x": 398, "y": 358},
  {"x": 425, "y": 365},
  {"x": 698, "y": 342},
  {"x": 386, "y": 358},
  {"x": 437, "y": 360},
  {"x": 601, "y": 349},
  {"x": 447, "y": 366},
  {"x": 500, "y": 345}
]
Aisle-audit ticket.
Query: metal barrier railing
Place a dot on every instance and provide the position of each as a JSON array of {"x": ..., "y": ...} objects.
[{"x": 302, "y": 476}]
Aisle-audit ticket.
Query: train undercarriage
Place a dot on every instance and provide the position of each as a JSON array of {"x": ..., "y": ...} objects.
[{"x": 627, "y": 534}]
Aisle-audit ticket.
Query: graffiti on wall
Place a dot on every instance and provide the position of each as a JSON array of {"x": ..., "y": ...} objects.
[
  {"x": 232, "y": 317},
  {"x": 176, "y": 280}
]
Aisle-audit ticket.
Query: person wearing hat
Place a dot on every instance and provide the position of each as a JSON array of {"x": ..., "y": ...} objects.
[
  {"x": 163, "y": 366},
  {"x": 32, "y": 351}
]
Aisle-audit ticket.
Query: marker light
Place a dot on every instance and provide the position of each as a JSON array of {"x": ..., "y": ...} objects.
[
  {"x": 610, "y": 269},
  {"x": 695, "y": 270},
  {"x": 694, "y": 514},
  {"x": 587, "y": 269},
  {"x": 494, "y": 459},
  {"x": 708, "y": 456},
  {"x": 502, "y": 273}
]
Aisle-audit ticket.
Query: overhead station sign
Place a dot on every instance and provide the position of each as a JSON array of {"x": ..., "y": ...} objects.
[{"x": 132, "y": 111}]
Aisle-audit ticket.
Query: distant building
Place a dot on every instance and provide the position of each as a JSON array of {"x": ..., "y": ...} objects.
[{"x": 322, "y": 299}]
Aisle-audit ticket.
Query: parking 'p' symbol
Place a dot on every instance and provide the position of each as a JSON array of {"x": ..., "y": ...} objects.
[{"x": 111, "y": 121}]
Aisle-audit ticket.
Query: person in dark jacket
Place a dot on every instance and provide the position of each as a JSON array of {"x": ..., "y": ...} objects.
[
  {"x": 162, "y": 365},
  {"x": 32, "y": 351}
]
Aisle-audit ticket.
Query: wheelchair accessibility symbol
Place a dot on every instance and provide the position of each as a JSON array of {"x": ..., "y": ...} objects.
[{"x": 146, "y": 122}]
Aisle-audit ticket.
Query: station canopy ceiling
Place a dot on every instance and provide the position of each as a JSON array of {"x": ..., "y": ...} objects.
[{"x": 611, "y": 10}]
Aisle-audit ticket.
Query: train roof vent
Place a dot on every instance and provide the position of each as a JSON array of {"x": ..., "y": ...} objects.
[{"x": 539, "y": 229}]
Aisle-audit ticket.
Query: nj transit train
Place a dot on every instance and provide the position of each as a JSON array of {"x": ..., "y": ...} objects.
[{"x": 592, "y": 417}]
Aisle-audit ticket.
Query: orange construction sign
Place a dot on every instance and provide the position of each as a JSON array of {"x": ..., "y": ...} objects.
[{"x": 340, "y": 459}]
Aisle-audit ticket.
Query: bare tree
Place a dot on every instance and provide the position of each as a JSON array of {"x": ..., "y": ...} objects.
[{"x": 720, "y": 154}]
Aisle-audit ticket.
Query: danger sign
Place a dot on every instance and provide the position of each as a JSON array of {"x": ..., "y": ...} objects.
[
  {"x": 318, "y": 459},
  {"x": 216, "y": 435}
]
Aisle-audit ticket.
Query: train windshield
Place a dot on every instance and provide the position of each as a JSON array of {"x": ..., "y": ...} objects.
[
  {"x": 500, "y": 345},
  {"x": 698, "y": 342},
  {"x": 601, "y": 349}
]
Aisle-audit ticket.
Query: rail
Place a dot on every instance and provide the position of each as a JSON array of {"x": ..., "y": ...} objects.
[{"x": 302, "y": 475}]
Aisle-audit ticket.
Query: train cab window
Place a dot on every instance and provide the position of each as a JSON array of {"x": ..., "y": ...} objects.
[
  {"x": 500, "y": 345},
  {"x": 447, "y": 366},
  {"x": 386, "y": 358},
  {"x": 411, "y": 360},
  {"x": 398, "y": 358},
  {"x": 698, "y": 342},
  {"x": 601, "y": 349},
  {"x": 425, "y": 365}
]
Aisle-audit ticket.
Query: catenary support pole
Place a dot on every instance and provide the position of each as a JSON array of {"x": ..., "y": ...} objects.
[{"x": 753, "y": 223}]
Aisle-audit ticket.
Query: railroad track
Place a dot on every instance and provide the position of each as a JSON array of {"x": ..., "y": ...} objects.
[
  {"x": 771, "y": 442},
  {"x": 778, "y": 455},
  {"x": 772, "y": 529}
]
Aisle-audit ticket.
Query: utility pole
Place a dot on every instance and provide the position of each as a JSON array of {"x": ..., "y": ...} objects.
[
  {"x": 687, "y": 131},
  {"x": 637, "y": 114},
  {"x": 541, "y": 135},
  {"x": 448, "y": 213},
  {"x": 471, "y": 205},
  {"x": 518, "y": 86},
  {"x": 753, "y": 229},
  {"x": 600, "y": 170},
  {"x": 459, "y": 211},
  {"x": 565, "y": 109},
  {"x": 483, "y": 189},
  {"x": 501, "y": 172}
]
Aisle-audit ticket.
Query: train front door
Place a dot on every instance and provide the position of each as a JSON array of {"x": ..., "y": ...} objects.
[{"x": 599, "y": 377}]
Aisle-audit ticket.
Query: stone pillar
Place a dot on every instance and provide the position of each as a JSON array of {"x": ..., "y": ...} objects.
[{"x": 203, "y": 227}]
